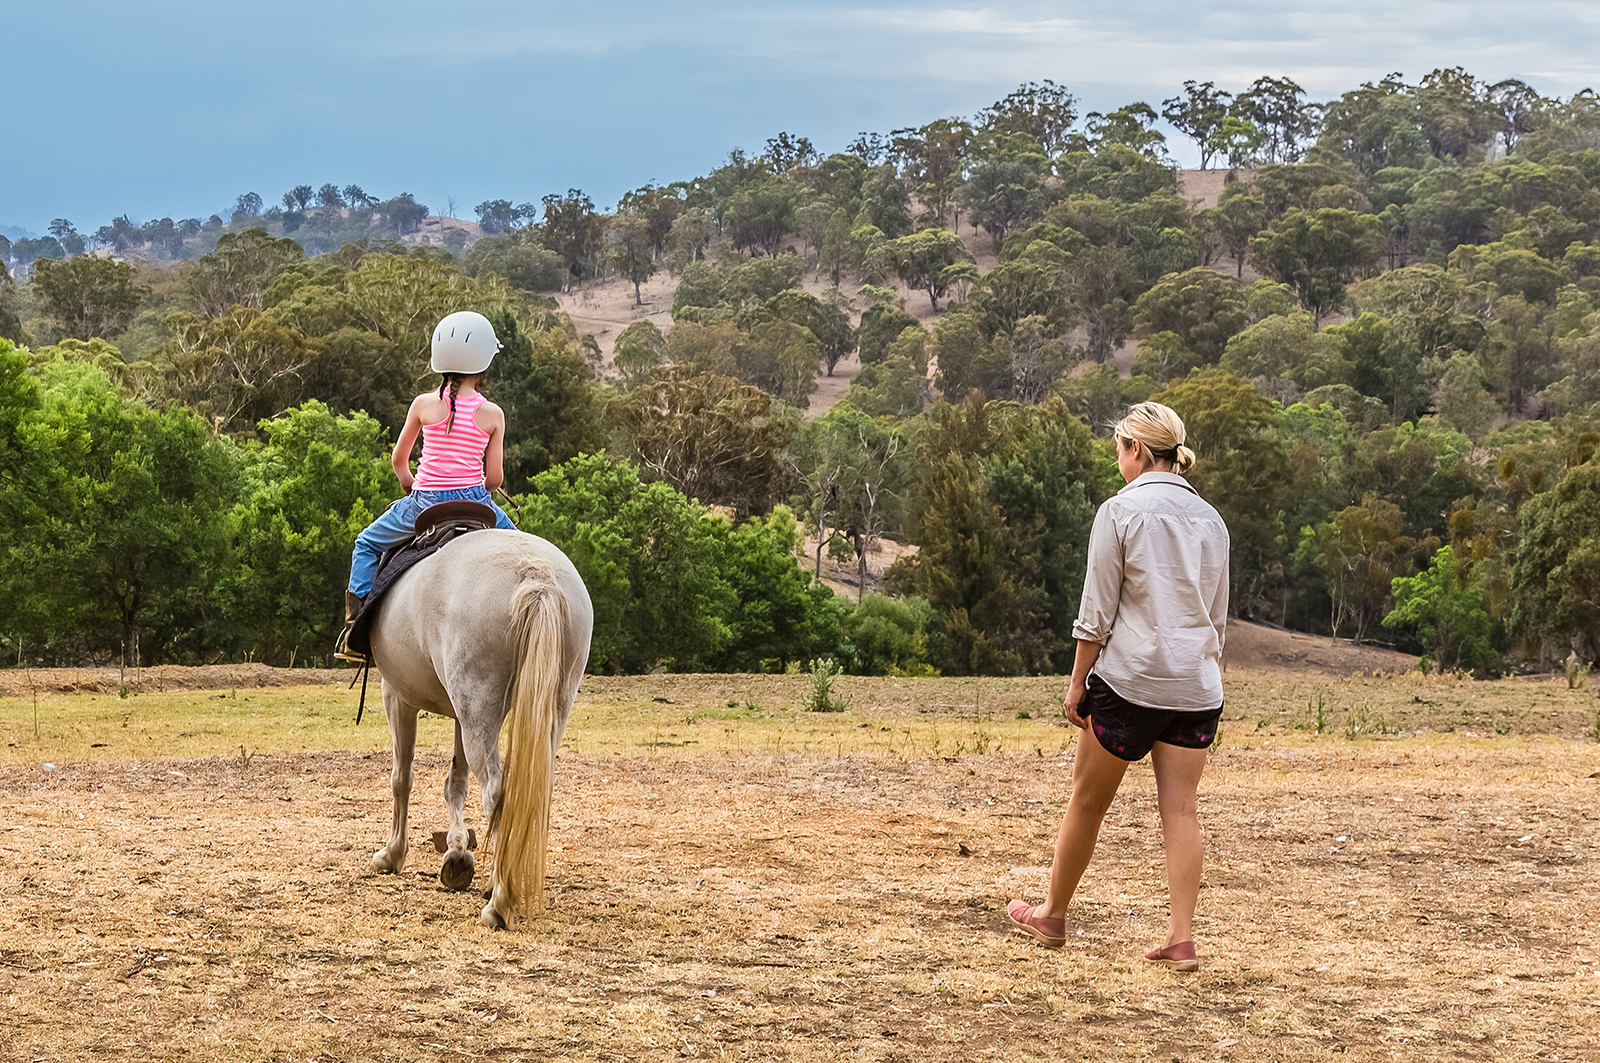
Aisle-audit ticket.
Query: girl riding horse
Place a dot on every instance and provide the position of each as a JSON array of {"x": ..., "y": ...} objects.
[{"x": 463, "y": 448}]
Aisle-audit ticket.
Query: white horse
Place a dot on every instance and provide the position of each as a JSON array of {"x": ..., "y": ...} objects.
[{"x": 495, "y": 625}]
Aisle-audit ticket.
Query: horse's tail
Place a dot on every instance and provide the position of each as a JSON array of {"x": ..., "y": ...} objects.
[{"x": 520, "y": 825}]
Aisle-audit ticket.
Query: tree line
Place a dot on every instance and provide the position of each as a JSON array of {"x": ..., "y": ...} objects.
[{"x": 1382, "y": 337}]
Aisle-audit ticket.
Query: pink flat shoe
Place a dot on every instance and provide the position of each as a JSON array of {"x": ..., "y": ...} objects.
[
  {"x": 1179, "y": 957},
  {"x": 1052, "y": 933}
]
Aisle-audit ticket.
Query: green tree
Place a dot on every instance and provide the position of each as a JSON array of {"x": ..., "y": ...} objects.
[
  {"x": 1036, "y": 284},
  {"x": 775, "y": 613},
  {"x": 1236, "y": 220},
  {"x": 1044, "y": 111},
  {"x": 856, "y": 473},
  {"x": 1288, "y": 348},
  {"x": 630, "y": 249},
  {"x": 1237, "y": 140},
  {"x": 1241, "y": 469},
  {"x": 780, "y": 358},
  {"x": 88, "y": 296},
  {"x": 650, "y": 557},
  {"x": 523, "y": 263},
  {"x": 141, "y": 531},
  {"x": 553, "y": 411},
  {"x": 827, "y": 321},
  {"x": 573, "y": 230},
  {"x": 1005, "y": 498},
  {"x": 896, "y": 386},
  {"x": 1423, "y": 467},
  {"x": 1448, "y": 614},
  {"x": 919, "y": 260},
  {"x": 701, "y": 286},
  {"x": 1318, "y": 254},
  {"x": 639, "y": 349},
  {"x": 1203, "y": 307},
  {"x": 933, "y": 158},
  {"x": 1455, "y": 114},
  {"x": 1004, "y": 191},
  {"x": 881, "y": 325},
  {"x": 691, "y": 231},
  {"x": 402, "y": 298},
  {"x": 402, "y": 214},
  {"x": 1556, "y": 579},
  {"x": 892, "y": 636},
  {"x": 762, "y": 215},
  {"x": 1360, "y": 551},
  {"x": 304, "y": 496},
  {"x": 241, "y": 367},
  {"x": 1375, "y": 126},
  {"x": 708, "y": 436},
  {"x": 1428, "y": 314},
  {"x": 1463, "y": 399},
  {"x": 1277, "y": 107},
  {"x": 1128, "y": 129},
  {"x": 1198, "y": 114},
  {"x": 31, "y": 453}
]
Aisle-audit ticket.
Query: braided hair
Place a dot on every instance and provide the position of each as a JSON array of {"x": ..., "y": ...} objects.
[{"x": 453, "y": 382}]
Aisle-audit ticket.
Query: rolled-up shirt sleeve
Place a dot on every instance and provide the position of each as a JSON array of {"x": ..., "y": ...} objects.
[{"x": 1102, "y": 583}]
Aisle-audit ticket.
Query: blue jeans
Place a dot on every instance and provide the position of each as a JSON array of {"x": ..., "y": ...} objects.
[{"x": 397, "y": 523}]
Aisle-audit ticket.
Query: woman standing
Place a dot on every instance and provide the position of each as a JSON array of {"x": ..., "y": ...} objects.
[{"x": 1147, "y": 677}]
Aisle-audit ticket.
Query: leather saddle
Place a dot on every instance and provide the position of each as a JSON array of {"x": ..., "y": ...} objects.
[{"x": 436, "y": 526}]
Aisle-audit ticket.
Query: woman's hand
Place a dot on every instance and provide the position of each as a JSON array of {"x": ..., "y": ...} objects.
[{"x": 1076, "y": 690}]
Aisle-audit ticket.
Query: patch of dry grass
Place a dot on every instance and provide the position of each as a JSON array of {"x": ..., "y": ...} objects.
[{"x": 800, "y": 892}]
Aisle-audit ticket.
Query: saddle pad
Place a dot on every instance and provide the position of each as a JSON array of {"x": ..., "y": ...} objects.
[{"x": 394, "y": 564}]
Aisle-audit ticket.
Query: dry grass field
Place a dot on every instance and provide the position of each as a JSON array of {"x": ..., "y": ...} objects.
[{"x": 1398, "y": 868}]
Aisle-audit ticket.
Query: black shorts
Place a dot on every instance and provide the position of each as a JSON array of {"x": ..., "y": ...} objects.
[{"x": 1127, "y": 731}]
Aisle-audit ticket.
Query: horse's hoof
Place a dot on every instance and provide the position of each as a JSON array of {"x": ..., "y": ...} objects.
[
  {"x": 382, "y": 864},
  {"x": 491, "y": 918},
  {"x": 456, "y": 874}
]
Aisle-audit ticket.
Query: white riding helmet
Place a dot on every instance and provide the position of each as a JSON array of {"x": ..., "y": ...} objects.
[{"x": 464, "y": 342}]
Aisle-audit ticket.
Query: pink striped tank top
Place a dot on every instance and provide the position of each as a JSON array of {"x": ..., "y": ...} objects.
[{"x": 453, "y": 459}]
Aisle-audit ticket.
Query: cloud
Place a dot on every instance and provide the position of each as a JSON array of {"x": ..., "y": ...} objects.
[{"x": 1147, "y": 44}]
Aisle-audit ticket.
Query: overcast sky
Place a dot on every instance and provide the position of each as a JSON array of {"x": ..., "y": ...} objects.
[{"x": 175, "y": 107}]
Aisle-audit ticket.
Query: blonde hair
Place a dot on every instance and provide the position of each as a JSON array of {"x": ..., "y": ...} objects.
[{"x": 1158, "y": 432}]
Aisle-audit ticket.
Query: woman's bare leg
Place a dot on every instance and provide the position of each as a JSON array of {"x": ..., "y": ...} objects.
[
  {"x": 1096, "y": 775},
  {"x": 1178, "y": 773}
]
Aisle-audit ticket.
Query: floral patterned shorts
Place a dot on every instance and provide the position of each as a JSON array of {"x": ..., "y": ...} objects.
[{"x": 1128, "y": 731}]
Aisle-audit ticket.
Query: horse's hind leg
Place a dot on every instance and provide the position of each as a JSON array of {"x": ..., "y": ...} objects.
[
  {"x": 403, "y": 733},
  {"x": 456, "y": 873},
  {"x": 478, "y": 734}
]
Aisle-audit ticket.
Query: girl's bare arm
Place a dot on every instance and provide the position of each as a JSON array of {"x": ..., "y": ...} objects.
[
  {"x": 492, "y": 419},
  {"x": 401, "y": 458}
]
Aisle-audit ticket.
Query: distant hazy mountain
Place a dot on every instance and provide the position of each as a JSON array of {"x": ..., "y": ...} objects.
[{"x": 16, "y": 232}]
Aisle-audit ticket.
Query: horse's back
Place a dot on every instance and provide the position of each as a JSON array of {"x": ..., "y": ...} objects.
[{"x": 448, "y": 624}]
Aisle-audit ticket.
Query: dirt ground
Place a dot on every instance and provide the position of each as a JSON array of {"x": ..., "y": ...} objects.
[
  {"x": 1409, "y": 901},
  {"x": 1252, "y": 646},
  {"x": 20, "y": 682}
]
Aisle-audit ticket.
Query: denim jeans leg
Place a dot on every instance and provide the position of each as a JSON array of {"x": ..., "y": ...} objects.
[{"x": 395, "y": 525}]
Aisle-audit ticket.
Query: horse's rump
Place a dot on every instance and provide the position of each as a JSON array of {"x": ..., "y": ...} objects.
[{"x": 494, "y": 628}]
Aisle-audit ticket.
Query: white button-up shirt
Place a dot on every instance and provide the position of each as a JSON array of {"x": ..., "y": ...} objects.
[{"x": 1156, "y": 594}]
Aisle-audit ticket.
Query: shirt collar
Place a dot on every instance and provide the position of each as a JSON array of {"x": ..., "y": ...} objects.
[{"x": 1147, "y": 478}]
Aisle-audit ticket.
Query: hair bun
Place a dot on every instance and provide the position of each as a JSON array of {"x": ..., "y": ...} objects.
[{"x": 1185, "y": 460}]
